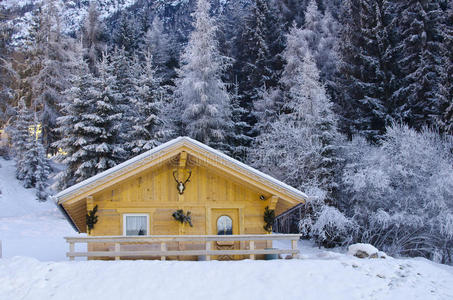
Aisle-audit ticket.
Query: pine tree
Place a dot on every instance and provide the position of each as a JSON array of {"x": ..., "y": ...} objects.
[
  {"x": 126, "y": 84},
  {"x": 301, "y": 147},
  {"x": 32, "y": 166},
  {"x": 20, "y": 133},
  {"x": 202, "y": 101},
  {"x": 158, "y": 43},
  {"x": 318, "y": 36},
  {"x": 366, "y": 69},
  {"x": 89, "y": 126},
  {"x": 125, "y": 36},
  {"x": 259, "y": 62},
  {"x": 420, "y": 61},
  {"x": 238, "y": 140},
  {"x": 148, "y": 129},
  {"x": 49, "y": 61},
  {"x": 446, "y": 119}
]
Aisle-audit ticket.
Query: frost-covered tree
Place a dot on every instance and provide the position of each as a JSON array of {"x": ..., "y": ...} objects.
[
  {"x": 302, "y": 149},
  {"x": 32, "y": 166},
  {"x": 301, "y": 146},
  {"x": 238, "y": 138},
  {"x": 158, "y": 43},
  {"x": 126, "y": 72},
  {"x": 89, "y": 126},
  {"x": 420, "y": 61},
  {"x": 367, "y": 71},
  {"x": 446, "y": 119},
  {"x": 318, "y": 36},
  {"x": 148, "y": 121},
  {"x": 202, "y": 101},
  {"x": 49, "y": 61},
  {"x": 125, "y": 36},
  {"x": 258, "y": 61},
  {"x": 400, "y": 193}
]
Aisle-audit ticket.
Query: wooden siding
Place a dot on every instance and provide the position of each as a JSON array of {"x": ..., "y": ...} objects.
[{"x": 154, "y": 192}]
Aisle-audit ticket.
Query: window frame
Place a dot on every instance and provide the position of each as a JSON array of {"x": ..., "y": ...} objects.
[
  {"x": 217, "y": 224},
  {"x": 135, "y": 215}
]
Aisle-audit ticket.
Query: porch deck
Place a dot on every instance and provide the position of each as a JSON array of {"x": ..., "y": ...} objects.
[{"x": 132, "y": 246}]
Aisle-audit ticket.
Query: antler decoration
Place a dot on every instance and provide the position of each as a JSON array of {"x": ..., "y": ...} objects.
[{"x": 181, "y": 186}]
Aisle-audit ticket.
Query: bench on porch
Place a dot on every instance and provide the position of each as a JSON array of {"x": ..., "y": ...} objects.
[{"x": 156, "y": 246}]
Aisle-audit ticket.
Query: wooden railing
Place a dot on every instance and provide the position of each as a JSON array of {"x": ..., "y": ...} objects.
[{"x": 163, "y": 240}]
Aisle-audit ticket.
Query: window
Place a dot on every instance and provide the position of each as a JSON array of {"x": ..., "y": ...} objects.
[
  {"x": 135, "y": 224},
  {"x": 224, "y": 225}
]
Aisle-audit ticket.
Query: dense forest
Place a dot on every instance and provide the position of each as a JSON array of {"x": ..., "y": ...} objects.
[{"x": 350, "y": 101}]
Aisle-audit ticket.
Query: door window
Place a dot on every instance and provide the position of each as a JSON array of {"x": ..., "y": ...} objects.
[{"x": 224, "y": 225}]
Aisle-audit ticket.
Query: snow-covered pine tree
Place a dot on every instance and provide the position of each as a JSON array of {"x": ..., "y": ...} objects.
[
  {"x": 148, "y": 122},
  {"x": 20, "y": 133},
  {"x": 127, "y": 75},
  {"x": 446, "y": 119},
  {"x": 125, "y": 36},
  {"x": 238, "y": 138},
  {"x": 49, "y": 62},
  {"x": 301, "y": 147},
  {"x": 366, "y": 69},
  {"x": 8, "y": 76},
  {"x": 89, "y": 125},
  {"x": 420, "y": 60},
  {"x": 32, "y": 166},
  {"x": 259, "y": 62},
  {"x": 158, "y": 43},
  {"x": 202, "y": 101},
  {"x": 318, "y": 35}
]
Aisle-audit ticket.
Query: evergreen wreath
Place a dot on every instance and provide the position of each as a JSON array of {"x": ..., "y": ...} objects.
[
  {"x": 183, "y": 218},
  {"x": 269, "y": 217},
  {"x": 92, "y": 218}
]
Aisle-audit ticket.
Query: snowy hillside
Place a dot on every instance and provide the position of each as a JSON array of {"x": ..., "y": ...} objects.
[
  {"x": 32, "y": 234},
  {"x": 72, "y": 14},
  {"x": 29, "y": 227}
]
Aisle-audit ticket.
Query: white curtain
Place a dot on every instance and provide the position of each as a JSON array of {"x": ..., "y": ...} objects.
[{"x": 136, "y": 225}]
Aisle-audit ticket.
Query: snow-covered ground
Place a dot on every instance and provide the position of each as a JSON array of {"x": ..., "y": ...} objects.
[
  {"x": 34, "y": 267},
  {"x": 29, "y": 227}
]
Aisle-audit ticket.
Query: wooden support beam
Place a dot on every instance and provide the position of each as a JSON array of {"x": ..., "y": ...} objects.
[
  {"x": 117, "y": 250},
  {"x": 71, "y": 250},
  {"x": 163, "y": 248},
  {"x": 294, "y": 247},
  {"x": 252, "y": 248},
  {"x": 208, "y": 248}
]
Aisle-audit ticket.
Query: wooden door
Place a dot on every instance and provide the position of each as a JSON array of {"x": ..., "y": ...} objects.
[{"x": 225, "y": 222}]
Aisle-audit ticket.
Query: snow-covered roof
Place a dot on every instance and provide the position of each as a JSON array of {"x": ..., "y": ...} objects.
[{"x": 190, "y": 143}]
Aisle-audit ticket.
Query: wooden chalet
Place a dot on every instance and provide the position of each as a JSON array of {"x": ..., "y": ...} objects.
[{"x": 180, "y": 200}]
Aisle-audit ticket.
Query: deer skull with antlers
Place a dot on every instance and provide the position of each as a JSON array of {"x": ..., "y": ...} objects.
[{"x": 181, "y": 186}]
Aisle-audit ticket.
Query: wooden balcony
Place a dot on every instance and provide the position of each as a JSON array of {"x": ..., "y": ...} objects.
[{"x": 163, "y": 246}]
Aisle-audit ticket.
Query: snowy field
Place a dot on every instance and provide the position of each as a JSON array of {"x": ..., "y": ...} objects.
[{"x": 34, "y": 267}]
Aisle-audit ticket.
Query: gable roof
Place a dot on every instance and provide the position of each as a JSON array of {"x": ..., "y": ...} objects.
[{"x": 180, "y": 142}]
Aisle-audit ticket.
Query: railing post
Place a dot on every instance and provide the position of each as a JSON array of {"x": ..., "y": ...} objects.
[
  {"x": 252, "y": 247},
  {"x": 294, "y": 247},
  {"x": 208, "y": 248},
  {"x": 163, "y": 247},
  {"x": 117, "y": 250},
  {"x": 71, "y": 250}
]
